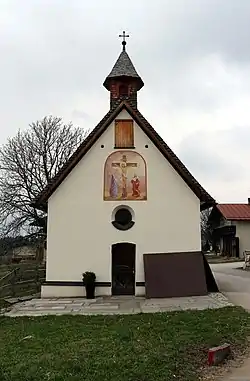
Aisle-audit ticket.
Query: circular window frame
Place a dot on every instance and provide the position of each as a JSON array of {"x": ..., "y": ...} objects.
[{"x": 119, "y": 226}]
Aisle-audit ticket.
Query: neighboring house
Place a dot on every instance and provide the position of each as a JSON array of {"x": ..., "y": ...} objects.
[
  {"x": 231, "y": 228},
  {"x": 24, "y": 251},
  {"x": 125, "y": 207},
  {"x": 29, "y": 252},
  {"x": 22, "y": 248}
]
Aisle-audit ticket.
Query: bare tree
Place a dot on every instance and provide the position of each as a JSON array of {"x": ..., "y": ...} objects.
[
  {"x": 206, "y": 229},
  {"x": 27, "y": 163}
]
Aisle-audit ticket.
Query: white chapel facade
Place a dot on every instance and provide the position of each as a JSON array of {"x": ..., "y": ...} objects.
[{"x": 124, "y": 207}]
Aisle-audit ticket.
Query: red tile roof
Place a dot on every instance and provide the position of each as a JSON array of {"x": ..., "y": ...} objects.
[{"x": 235, "y": 211}]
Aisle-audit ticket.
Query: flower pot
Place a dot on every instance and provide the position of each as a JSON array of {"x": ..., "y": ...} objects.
[{"x": 90, "y": 291}]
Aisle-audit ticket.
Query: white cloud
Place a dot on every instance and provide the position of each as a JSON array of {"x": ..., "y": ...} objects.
[{"x": 192, "y": 55}]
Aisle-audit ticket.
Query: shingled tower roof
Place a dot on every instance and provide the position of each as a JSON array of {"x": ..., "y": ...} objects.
[{"x": 123, "y": 68}]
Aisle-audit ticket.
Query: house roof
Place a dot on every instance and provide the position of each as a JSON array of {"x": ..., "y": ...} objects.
[
  {"x": 205, "y": 198},
  {"x": 123, "y": 68},
  {"x": 237, "y": 212}
]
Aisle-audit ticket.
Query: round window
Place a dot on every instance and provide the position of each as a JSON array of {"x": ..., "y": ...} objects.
[
  {"x": 123, "y": 216},
  {"x": 123, "y": 219}
]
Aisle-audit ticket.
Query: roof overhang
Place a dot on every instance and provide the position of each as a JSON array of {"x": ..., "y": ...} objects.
[{"x": 123, "y": 78}]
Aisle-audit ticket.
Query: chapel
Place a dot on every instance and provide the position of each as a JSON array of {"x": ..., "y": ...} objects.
[{"x": 125, "y": 207}]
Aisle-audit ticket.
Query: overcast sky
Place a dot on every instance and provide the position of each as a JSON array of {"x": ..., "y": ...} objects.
[{"x": 193, "y": 56}]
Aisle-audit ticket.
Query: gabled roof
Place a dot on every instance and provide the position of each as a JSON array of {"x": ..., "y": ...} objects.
[
  {"x": 236, "y": 212},
  {"x": 123, "y": 68},
  {"x": 205, "y": 198}
]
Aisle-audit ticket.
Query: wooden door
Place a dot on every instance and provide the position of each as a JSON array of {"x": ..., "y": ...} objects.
[{"x": 123, "y": 268}]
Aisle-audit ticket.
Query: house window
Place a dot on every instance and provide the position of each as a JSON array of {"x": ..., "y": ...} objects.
[
  {"x": 124, "y": 134},
  {"x": 123, "y": 90}
]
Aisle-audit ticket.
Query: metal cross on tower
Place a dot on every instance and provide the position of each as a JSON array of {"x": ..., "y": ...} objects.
[{"x": 124, "y": 36}]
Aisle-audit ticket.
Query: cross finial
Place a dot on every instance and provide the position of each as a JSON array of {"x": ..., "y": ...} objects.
[{"x": 124, "y": 36}]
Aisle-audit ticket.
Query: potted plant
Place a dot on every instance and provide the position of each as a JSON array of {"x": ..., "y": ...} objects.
[{"x": 89, "y": 282}]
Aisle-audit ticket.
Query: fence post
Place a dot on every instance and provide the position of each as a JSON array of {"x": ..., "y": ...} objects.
[
  {"x": 37, "y": 278},
  {"x": 13, "y": 282}
]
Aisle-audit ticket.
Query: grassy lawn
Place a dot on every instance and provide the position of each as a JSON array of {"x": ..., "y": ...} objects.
[
  {"x": 3, "y": 304},
  {"x": 145, "y": 347},
  {"x": 213, "y": 258}
]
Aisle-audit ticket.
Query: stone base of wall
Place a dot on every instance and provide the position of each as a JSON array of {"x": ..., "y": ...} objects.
[{"x": 74, "y": 290}]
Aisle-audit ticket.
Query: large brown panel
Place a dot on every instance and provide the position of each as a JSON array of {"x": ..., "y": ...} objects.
[
  {"x": 124, "y": 133},
  {"x": 174, "y": 274}
]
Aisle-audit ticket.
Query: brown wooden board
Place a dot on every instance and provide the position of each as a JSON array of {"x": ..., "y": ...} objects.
[
  {"x": 174, "y": 275},
  {"x": 124, "y": 133}
]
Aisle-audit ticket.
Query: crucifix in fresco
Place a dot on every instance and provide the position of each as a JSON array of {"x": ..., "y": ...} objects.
[
  {"x": 123, "y": 164},
  {"x": 125, "y": 176}
]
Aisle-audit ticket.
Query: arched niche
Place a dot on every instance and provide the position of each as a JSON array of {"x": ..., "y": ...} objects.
[{"x": 125, "y": 177}]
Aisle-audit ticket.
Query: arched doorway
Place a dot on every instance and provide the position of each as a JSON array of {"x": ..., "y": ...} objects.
[{"x": 123, "y": 268}]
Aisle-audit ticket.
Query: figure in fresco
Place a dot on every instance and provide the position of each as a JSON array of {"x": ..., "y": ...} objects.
[
  {"x": 124, "y": 165},
  {"x": 135, "y": 186},
  {"x": 124, "y": 185},
  {"x": 113, "y": 191}
]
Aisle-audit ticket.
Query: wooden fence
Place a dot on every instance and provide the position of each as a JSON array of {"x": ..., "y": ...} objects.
[{"x": 22, "y": 281}]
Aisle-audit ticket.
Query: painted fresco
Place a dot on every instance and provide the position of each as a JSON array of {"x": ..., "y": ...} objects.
[{"x": 125, "y": 176}]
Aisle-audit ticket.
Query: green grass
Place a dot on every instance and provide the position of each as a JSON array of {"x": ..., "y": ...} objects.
[
  {"x": 145, "y": 347},
  {"x": 213, "y": 258},
  {"x": 4, "y": 304}
]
